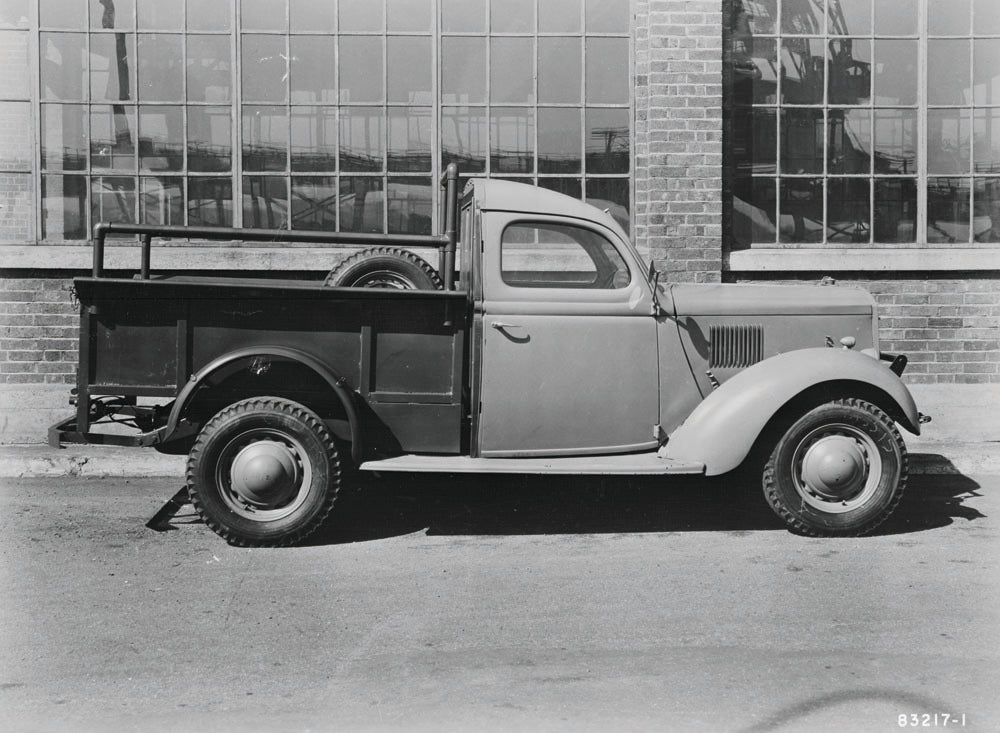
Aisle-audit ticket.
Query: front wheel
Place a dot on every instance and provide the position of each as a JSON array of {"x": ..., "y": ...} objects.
[
  {"x": 839, "y": 470},
  {"x": 263, "y": 472}
]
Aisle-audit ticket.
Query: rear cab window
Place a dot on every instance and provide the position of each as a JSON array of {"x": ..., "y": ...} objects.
[{"x": 550, "y": 255}]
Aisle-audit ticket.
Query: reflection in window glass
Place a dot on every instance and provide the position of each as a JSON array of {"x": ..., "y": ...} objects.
[
  {"x": 409, "y": 15},
  {"x": 611, "y": 194},
  {"x": 607, "y": 142},
  {"x": 801, "y": 141},
  {"x": 948, "y": 80},
  {"x": 112, "y": 199},
  {"x": 409, "y": 205},
  {"x": 801, "y": 210},
  {"x": 160, "y": 73},
  {"x": 62, "y": 14},
  {"x": 362, "y": 138},
  {"x": 755, "y": 140},
  {"x": 802, "y": 70},
  {"x": 850, "y": 64},
  {"x": 409, "y": 62},
  {"x": 559, "y": 16},
  {"x": 64, "y": 136},
  {"x": 264, "y": 68},
  {"x": 559, "y": 70},
  {"x": 265, "y": 138},
  {"x": 459, "y": 16},
  {"x": 849, "y": 145},
  {"x": 948, "y": 210},
  {"x": 895, "y": 72},
  {"x": 986, "y": 19},
  {"x": 568, "y": 186},
  {"x": 607, "y": 71},
  {"x": 210, "y": 202},
  {"x": 312, "y": 15},
  {"x": 161, "y": 138},
  {"x": 896, "y": 17},
  {"x": 209, "y": 143},
  {"x": 265, "y": 202},
  {"x": 208, "y": 68},
  {"x": 464, "y": 138},
  {"x": 112, "y": 14},
  {"x": 986, "y": 141},
  {"x": 848, "y": 210},
  {"x": 314, "y": 203},
  {"x": 263, "y": 15},
  {"x": 360, "y": 15},
  {"x": 895, "y": 210},
  {"x": 63, "y": 65},
  {"x": 512, "y": 135},
  {"x": 410, "y": 139},
  {"x": 754, "y": 207},
  {"x": 755, "y": 75},
  {"x": 895, "y": 141},
  {"x": 361, "y": 204},
  {"x": 314, "y": 138},
  {"x": 560, "y": 256},
  {"x": 511, "y": 70},
  {"x": 64, "y": 207},
  {"x": 761, "y": 16},
  {"x": 512, "y": 16},
  {"x": 161, "y": 201},
  {"x": 559, "y": 140},
  {"x": 160, "y": 15},
  {"x": 112, "y": 137},
  {"x": 986, "y": 70},
  {"x": 313, "y": 69},
  {"x": 948, "y": 141},
  {"x": 207, "y": 16},
  {"x": 361, "y": 80},
  {"x": 986, "y": 203},
  {"x": 948, "y": 17},
  {"x": 463, "y": 70},
  {"x": 611, "y": 16},
  {"x": 801, "y": 17},
  {"x": 112, "y": 66},
  {"x": 850, "y": 17}
]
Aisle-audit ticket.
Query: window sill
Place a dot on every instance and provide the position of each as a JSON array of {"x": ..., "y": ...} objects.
[{"x": 863, "y": 260}]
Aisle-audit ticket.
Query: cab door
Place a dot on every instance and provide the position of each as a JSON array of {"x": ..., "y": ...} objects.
[{"x": 569, "y": 353}]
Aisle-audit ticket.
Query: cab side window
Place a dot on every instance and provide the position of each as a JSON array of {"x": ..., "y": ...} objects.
[{"x": 543, "y": 255}]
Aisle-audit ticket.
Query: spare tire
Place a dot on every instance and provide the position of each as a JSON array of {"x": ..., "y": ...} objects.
[{"x": 384, "y": 267}]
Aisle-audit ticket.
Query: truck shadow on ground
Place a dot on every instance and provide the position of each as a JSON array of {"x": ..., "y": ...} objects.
[{"x": 441, "y": 504}]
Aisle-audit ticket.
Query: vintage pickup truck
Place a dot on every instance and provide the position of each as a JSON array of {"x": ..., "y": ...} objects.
[{"x": 543, "y": 344}]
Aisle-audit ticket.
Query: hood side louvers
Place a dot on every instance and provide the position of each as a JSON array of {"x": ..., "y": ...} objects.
[{"x": 735, "y": 346}]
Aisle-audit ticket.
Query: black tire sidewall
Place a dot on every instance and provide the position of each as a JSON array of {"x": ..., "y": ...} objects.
[{"x": 405, "y": 264}]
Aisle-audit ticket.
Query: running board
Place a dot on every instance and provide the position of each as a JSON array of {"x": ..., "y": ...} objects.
[{"x": 629, "y": 464}]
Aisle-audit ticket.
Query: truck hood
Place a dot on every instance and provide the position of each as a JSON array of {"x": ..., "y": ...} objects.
[{"x": 764, "y": 300}]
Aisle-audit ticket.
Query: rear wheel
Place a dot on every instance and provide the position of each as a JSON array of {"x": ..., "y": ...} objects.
[
  {"x": 839, "y": 470},
  {"x": 385, "y": 267},
  {"x": 263, "y": 472}
]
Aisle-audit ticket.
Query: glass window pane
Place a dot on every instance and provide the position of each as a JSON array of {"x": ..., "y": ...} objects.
[
  {"x": 850, "y": 17},
  {"x": 361, "y": 204},
  {"x": 63, "y": 65},
  {"x": 410, "y": 139},
  {"x": 948, "y": 80},
  {"x": 112, "y": 66},
  {"x": 64, "y": 207},
  {"x": 362, "y": 138},
  {"x": 208, "y": 16},
  {"x": 463, "y": 16},
  {"x": 986, "y": 141},
  {"x": 948, "y": 17},
  {"x": 265, "y": 138},
  {"x": 409, "y": 15},
  {"x": 464, "y": 137},
  {"x": 895, "y": 72},
  {"x": 802, "y": 70},
  {"x": 560, "y": 74},
  {"x": 64, "y": 136},
  {"x": 512, "y": 140},
  {"x": 314, "y": 203},
  {"x": 948, "y": 210},
  {"x": 409, "y": 205},
  {"x": 263, "y": 15},
  {"x": 560, "y": 141},
  {"x": 611, "y": 194},
  {"x": 463, "y": 70},
  {"x": 986, "y": 19},
  {"x": 986, "y": 70},
  {"x": 112, "y": 137},
  {"x": 512, "y": 70},
  {"x": 895, "y": 141},
  {"x": 312, "y": 15},
  {"x": 986, "y": 203},
  {"x": 559, "y": 256},
  {"x": 62, "y": 14},
  {"x": 409, "y": 73},
  {"x": 608, "y": 16},
  {"x": 608, "y": 148},
  {"x": 755, "y": 140},
  {"x": 210, "y": 139},
  {"x": 755, "y": 75},
  {"x": 210, "y": 202},
  {"x": 313, "y": 69},
  {"x": 761, "y": 16},
  {"x": 160, "y": 15},
  {"x": 848, "y": 210},
  {"x": 265, "y": 202},
  {"x": 754, "y": 207},
  {"x": 896, "y": 17},
  {"x": 850, "y": 144},
  {"x": 572, "y": 187},
  {"x": 895, "y": 210},
  {"x": 16, "y": 55},
  {"x": 264, "y": 69},
  {"x": 802, "y": 141},
  {"x": 947, "y": 141},
  {"x": 801, "y": 210},
  {"x": 360, "y": 15},
  {"x": 112, "y": 14},
  {"x": 314, "y": 138},
  {"x": 607, "y": 71},
  {"x": 801, "y": 17},
  {"x": 559, "y": 16},
  {"x": 161, "y": 201},
  {"x": 161, "y": 138},
  {"x": 361, "y": 79},
  {"x": 512, "y": 16},
  {"x": 112, "y": 199},
  {"x": 850, "y": 69},
  {"x": 209, "y": 68},
  {"x": 160, "y": 73}
]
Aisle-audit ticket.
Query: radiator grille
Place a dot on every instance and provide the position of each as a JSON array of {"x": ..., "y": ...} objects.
[{"x": 735, "y": 346}]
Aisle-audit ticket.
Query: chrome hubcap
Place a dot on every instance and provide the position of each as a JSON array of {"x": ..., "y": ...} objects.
[
  {"x": 263, "y": 475},
  {"x": 837, "y": 468},
  {"x": 384, "y": 279}
]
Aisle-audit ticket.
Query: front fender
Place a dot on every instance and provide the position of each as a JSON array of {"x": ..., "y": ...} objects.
[{"x": 721, "y": 431}]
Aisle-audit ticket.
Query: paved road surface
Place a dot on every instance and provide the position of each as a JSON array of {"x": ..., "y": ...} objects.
[{"x": 499, "y": 605}]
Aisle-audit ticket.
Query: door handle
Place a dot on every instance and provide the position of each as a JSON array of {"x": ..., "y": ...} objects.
[{"x": 500, "y": 325}]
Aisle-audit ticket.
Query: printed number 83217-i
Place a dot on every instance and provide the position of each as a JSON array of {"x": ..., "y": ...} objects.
[{"x": 931, "y": 720}]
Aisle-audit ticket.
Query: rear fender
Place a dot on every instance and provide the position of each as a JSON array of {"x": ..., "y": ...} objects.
[
  {"x": 221, "y": 366},
  {"x": 721, "y": 431}
]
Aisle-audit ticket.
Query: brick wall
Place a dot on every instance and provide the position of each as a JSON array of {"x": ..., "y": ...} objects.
[
  {"x": 38, "y": 330},
  {"x": 678, "y": 136}
]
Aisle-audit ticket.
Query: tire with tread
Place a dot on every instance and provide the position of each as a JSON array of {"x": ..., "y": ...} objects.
[
  {"x": 220, "y": 467},
  {"x": 385, "y": 267},
  {"x": 819, "y": 511}
]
